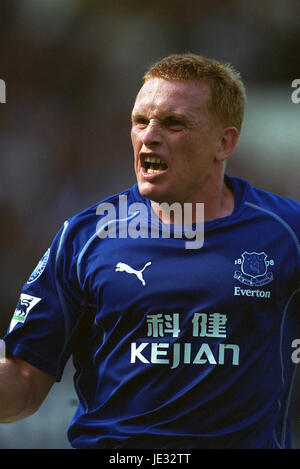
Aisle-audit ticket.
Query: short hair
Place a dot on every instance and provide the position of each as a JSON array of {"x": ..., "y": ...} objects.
[{"x": 228, "y": 95}]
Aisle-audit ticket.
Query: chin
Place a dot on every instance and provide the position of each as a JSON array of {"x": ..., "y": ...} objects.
[
  {"x": 150, "y": 191},
  {"x": 158, "y": 196}
]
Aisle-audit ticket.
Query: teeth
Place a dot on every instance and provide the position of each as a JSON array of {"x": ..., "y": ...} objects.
[
  {"x": 152, "y": 159},
  {"x": 149, "y": 170}
]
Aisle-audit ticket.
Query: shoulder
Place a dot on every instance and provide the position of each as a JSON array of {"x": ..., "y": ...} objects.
[
  {"x": 82, "y": 226},
  {"x": 283, "y": 209},
  {"x": 271, "y": 206}
]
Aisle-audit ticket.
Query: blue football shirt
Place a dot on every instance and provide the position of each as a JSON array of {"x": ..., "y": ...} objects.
[{"x": 172, "y": 347}]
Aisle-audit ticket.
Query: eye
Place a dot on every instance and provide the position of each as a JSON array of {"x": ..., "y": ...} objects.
[
  {"x": 140, "y": 121},
  {"x": 174, "y": 123}
]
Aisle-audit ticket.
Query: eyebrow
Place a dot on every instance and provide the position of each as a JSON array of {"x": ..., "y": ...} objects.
[{"x": 165, "y": 116}]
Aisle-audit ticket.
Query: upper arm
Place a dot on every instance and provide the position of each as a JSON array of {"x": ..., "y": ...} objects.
[{"x": 45, "y": 325}]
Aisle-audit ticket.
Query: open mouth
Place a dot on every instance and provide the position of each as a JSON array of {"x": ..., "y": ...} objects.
[{"x": 153, "y": 165}]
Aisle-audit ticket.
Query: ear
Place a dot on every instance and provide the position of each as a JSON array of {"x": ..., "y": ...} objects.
[{"x": 228, "y": 138}]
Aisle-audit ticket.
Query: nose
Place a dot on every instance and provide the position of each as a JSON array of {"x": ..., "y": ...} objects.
[{"x": 152, "y": 134}]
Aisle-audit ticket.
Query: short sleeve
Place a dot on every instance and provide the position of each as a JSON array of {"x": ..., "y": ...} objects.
[{"x": 46, "y": 320}]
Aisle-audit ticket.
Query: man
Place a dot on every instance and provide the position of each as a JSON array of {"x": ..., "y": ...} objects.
[{"x": 173, "y": 347}]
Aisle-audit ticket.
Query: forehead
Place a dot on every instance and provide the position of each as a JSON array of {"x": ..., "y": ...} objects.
[{"x": 160, "y": 95}]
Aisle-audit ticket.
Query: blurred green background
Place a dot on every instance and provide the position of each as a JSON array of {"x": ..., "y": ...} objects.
[{"x": 72, "y": 69}]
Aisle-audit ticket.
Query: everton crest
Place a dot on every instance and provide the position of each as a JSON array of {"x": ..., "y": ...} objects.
[{"x": 254, "y": 269}]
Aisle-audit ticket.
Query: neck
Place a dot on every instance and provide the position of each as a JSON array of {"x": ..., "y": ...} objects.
[{"x": 217, "y": 198}]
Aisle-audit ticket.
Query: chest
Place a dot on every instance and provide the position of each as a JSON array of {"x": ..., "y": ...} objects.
[{"x": 134, "y": 278}]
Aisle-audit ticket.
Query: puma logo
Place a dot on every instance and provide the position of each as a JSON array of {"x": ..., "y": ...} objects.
[{"x": 121, "y": 267}]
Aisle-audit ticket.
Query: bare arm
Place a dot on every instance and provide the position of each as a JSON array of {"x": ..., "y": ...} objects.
[{"x": 23, "y": 388}]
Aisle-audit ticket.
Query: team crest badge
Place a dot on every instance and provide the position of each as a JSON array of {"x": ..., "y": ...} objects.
[{"x": 254, "y": 269}]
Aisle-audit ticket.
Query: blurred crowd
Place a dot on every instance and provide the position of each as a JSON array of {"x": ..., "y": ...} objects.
[{"x": 72, "y": 69}]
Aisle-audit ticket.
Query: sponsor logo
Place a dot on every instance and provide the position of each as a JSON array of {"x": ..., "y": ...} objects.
[
  {"x": 25, "y": 304},
  {"x": 39, "y": 268},
  {"x": 121, "y": 267},
  {"x": 205, "y": 329}
]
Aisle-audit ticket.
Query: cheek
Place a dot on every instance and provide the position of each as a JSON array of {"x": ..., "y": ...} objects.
[
  {"x": 134, "y": 138},
  {"x": 136, "y": 145},
  {"x": 191, "y": 163},
  {"x": 187, "y": 153}
]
